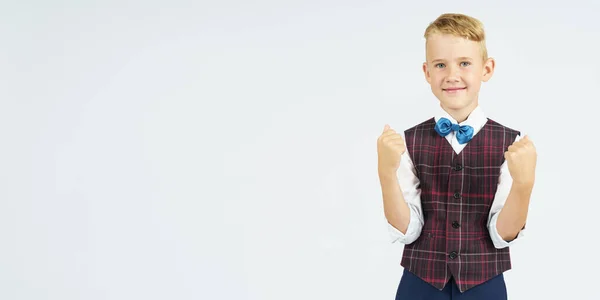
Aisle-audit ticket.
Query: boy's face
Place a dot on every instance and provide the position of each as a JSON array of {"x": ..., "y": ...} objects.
[{"x": 455, "y": 70}]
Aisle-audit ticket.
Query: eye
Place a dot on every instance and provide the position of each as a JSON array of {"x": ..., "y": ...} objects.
[
  {"x": 440, "y": 65},
  {"x": 465, "y": 64}
]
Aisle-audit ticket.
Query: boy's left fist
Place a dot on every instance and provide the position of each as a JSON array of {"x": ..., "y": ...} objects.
[{"x": 521, "y": 158}]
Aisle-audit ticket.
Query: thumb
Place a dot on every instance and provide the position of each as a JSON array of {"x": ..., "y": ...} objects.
[{"x": 386, "y": 127}]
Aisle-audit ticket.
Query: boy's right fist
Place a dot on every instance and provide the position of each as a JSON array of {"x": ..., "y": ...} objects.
[{"x": 390, "y": 147}]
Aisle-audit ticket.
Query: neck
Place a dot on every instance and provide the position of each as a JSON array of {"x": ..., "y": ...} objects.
[{"x": 460, "y": 114}]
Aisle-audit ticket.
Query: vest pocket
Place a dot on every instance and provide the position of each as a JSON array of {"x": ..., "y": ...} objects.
[
  {"x": 425, "y": 240},
  {"x": 429, "y": 235}
]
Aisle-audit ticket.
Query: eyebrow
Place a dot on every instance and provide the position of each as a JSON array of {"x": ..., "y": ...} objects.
[{"x": 459, "y": 58}]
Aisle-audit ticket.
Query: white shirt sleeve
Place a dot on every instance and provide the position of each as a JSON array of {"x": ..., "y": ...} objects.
[
  {"x": 504, "y": 186},
  {"x": 409, "y": 184}
]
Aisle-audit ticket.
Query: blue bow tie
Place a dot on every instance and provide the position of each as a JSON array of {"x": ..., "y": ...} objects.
[{"x": 464, "y": 133}]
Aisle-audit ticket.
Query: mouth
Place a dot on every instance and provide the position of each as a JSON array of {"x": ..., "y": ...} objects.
[{"x": 454, "y": 89}]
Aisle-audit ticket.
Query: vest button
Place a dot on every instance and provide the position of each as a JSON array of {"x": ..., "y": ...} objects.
[
  {"x": 458, "y": 167},
  {"x": 456, "y": 195},
  {"x": 453, "y": 255},
  {"x": 455, "y": 224}
]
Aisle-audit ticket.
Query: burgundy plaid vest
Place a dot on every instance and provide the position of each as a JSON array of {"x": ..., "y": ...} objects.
[{"x": 457, "y": 192}]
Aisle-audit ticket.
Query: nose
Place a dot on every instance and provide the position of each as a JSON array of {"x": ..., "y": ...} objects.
[{"x": 453, "y": 74}]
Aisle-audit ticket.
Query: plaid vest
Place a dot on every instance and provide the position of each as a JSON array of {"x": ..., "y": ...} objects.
[{"x": 457, "y": 191}]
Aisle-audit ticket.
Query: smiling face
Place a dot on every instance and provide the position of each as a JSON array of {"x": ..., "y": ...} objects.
[{"x": 455, "y": 68}]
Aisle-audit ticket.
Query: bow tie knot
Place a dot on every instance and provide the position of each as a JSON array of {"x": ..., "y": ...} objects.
[{"x": 464, "y": 133}]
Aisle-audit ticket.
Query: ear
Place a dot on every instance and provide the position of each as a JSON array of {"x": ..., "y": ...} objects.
[
  {"x": 426, "y": 73},
  {"x": 488, "y": 69}
]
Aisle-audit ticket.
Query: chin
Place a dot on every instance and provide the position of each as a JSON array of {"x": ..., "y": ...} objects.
[{"x": 455, "y": 104}]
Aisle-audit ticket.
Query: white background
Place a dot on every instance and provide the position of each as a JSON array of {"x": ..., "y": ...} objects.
[{"x": 227, "y": 150}]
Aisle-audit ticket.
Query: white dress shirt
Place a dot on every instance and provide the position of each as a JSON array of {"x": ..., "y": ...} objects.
[{"x": 409, "y": 183}]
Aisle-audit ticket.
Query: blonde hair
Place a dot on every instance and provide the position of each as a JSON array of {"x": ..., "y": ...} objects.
[{"x": 459, "y": 25}]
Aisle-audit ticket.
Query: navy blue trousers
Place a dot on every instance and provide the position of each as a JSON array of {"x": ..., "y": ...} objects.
[{"x": 412, "y": 287}]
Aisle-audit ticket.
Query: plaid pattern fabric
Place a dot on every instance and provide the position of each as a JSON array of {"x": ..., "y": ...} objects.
[{"x": 457, "y": 192}]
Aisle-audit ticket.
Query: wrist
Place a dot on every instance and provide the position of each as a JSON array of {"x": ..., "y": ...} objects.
[
  {"x": 387, "y": 173},
  {"x": 523, "y": 187}
]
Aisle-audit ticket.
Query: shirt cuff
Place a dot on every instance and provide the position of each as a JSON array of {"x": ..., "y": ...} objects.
[
  {"x": 500, "y": 243},
  {"x": 412, "y": 232}
]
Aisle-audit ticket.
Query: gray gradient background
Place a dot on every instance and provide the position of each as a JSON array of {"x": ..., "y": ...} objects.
[{"x": 227, "y": 150}]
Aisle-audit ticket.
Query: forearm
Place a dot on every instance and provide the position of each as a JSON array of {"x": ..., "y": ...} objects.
[
  {"x": 395, "y": 208},
  {"x": 513, "y": 215}
]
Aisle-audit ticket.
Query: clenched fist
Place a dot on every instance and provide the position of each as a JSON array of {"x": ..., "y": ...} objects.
[
  {"x": 521, "y": 158},
  {"x": 390, "y": 147}
]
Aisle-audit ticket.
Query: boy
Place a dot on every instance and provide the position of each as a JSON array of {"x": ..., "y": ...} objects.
[{"x": 456, "y": 187}]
